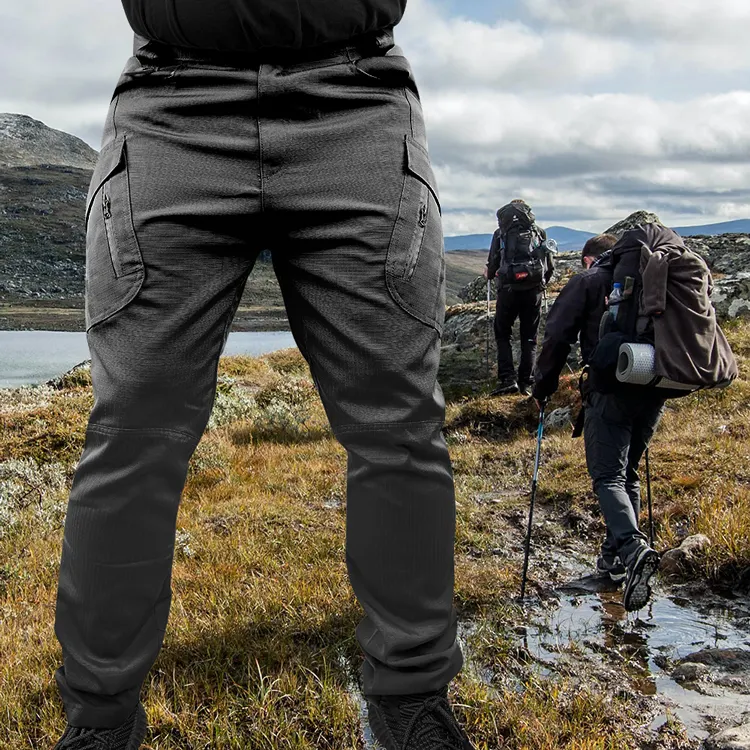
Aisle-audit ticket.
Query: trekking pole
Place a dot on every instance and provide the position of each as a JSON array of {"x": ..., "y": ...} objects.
[
  {"x": 650, "y": 510},
  {"x": 539, "y": 433},
  {"x": 487, "y": 331}
]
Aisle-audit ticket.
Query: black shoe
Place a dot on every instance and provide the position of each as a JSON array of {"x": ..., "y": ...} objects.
[
  {"x": 128, "y": 736},
  {"x": 641, "y": 568},
  {"x": 416, "y": 722},
  {"x": 611, "y": 567},
  {"x": 505, "y": 387},
  {"x": 525, "y": 388}
]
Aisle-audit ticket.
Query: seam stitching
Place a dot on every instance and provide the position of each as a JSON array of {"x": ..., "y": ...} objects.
[
  {"x": 106, "y": 428},
  {"x": 375, "y": 426}
]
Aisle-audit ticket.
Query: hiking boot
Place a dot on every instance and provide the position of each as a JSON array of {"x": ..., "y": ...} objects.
[
  {"x": 611, "y": 567},
  {"x": 416, "y": 722},
  {"x": 641, "y": 567},
  {"x": 525, "y": 388},
  {"x": 128, "y": 736},
  {"x": 504, "y": 387}
]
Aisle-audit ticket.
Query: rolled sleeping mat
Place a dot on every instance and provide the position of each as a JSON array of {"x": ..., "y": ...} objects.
[{"x": 636, "y": 365}]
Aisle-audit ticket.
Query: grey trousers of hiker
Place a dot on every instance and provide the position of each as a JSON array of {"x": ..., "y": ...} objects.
[
  {"x": 617, "y": 431},
  {"x": 322, "y": 159}
]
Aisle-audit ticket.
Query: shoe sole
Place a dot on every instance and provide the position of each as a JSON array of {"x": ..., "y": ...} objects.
[{"x": 637, "y": 589}]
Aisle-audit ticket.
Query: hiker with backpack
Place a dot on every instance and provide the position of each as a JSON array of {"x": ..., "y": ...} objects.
[
  {"x": 521, "y": 260},
  {"x": 645, "y": 292}
]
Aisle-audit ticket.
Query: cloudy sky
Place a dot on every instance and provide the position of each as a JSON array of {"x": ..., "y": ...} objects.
[{"x": 589, "y": 109}]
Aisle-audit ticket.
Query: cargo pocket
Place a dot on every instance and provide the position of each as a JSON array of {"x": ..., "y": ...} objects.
[
  {"x": 114, "y": 265},
  {"x": 415, "y": 263}
]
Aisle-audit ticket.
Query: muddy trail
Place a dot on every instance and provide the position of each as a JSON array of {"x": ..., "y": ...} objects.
[{"x": 684, "y": 659}]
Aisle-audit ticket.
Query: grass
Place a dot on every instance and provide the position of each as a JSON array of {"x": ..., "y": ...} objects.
[{"x": 260, "y": 650}]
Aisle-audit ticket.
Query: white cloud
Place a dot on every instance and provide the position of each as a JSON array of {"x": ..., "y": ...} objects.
[
  {"x": 587, "y": 109},
  {"x": 508, "y": 54}
]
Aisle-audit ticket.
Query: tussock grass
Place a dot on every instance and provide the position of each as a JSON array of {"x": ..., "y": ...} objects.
[{"x": 260, "y": 649}]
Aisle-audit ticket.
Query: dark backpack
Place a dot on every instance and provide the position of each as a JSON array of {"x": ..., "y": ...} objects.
[
  {"x": 522, "y": 265},
  {"x": 633, "y": 325}
]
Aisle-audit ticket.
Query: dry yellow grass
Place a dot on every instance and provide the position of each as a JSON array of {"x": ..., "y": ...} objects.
[{"x": 260, "y": 651}]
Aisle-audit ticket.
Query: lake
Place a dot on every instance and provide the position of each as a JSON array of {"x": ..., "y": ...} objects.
[{"x": 31, "y": 357}]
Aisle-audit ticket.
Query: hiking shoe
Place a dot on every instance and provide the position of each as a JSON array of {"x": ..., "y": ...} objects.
[
  {"x": 416, "y": 722},
  {"x": 525, "y": 388},
  {"x": 641, "y": 568},
  {"x": 612, "y": 568},
  {"x": 507, "y": 386},
  {"x": 128, "y": 736}
]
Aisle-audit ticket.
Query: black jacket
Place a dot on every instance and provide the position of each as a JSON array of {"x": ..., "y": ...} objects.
[
  {"x": 495, "y": 257},
  {"x": 577, "y": 311},
  {"x": 252, "y": 25}
]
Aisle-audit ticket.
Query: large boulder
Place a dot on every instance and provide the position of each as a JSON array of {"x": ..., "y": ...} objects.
[
  {"x": 737, "y": 738},
  {"x": 632, "y": 221}
]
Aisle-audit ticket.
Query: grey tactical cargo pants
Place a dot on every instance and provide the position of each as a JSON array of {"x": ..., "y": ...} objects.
[{"x": 206, "y": 161}]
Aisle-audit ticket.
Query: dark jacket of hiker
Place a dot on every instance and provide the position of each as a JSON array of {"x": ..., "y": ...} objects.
[
  {"x": 690, "y": 346},
  {"x": 576, "y": 311},
  {"x": 495, "y": 257},
  {"x": 252, "y": 25}
]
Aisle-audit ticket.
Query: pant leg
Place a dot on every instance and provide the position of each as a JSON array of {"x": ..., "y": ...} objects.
[
  {"x": 358, "y": 252},
  {"x": 505, "y": 316},
  {"x": 170, "y": 242},
  {"x": 607, "y": 435},
  {"x": 647, "y": 414},
  {"x": 530, "y": 313}
]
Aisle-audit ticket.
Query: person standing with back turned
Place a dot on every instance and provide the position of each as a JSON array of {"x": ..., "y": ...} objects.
[
  {"x": 523, "y": 265},
  {"x": 237, "y": 126}
]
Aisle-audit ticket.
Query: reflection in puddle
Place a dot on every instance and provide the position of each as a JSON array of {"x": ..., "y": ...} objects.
[{"x": 591, "y": 616}]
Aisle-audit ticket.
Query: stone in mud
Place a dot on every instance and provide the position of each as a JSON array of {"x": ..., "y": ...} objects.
[
  {"x": 737, "y": 738},
  {"x": 690, "y": 672},
  {"x": 726, "y": 659},
  {"x": 559, "y": 419},
  {"x": 675, "y": 562}
]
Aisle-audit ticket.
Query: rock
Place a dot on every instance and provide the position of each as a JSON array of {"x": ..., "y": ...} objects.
[
  {"x": 677, "y": 561},
  {"x": 725, "y": 659},
  {"x": 559, "y": 419},
  {"x": 632, "y": 221},
  {"x": 737, "y": 738},
  {"x": 690, "y": 672},
  {"x": 476, "y": 291}
]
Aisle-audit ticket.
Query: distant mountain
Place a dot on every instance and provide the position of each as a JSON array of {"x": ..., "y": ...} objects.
[
  {"x": 567, "y": 240},
  {"x": 468, "y": 242},
  {"x": 739, "y": 226},
  {"x": 572, "y": 240}
]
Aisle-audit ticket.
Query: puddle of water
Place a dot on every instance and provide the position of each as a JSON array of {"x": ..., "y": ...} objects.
[{"x": 590, "y": 615}]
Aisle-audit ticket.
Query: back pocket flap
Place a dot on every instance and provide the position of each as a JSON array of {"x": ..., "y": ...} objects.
[
  {"x": 108, "y": 162},
  {"x": 418, "y": 163}
]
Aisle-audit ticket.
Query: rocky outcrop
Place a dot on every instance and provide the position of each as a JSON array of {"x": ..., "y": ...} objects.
[
  {"x": 25, "y": 142},
  {"x": 631, "y": 222}
]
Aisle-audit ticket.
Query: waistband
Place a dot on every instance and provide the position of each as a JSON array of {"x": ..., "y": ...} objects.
[{"x": 372, "y": 43}]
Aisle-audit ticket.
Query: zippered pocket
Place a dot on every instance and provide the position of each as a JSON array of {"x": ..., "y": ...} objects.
[
  {"x": 114, "y": 264},
  {"x": 415, "y": 261}
]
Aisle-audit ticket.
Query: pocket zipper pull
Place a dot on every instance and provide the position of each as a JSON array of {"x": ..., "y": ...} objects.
[
  {"x": 423, "y": 215},
  {"x": 107, "y": 206}
]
